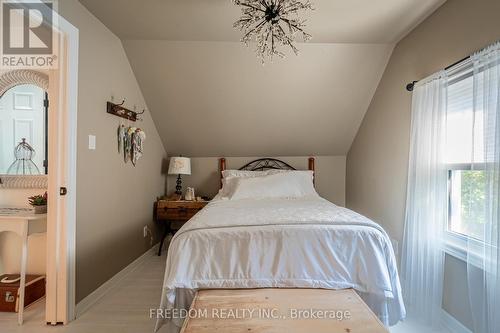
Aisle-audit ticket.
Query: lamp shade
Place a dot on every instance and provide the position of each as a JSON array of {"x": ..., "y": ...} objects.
[{"x": 179, "y": 166}]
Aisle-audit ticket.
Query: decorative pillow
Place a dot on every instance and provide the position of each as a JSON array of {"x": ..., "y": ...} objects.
[
  {"x": 292, "y": 184},
  {"x": 250, "y": 174}
]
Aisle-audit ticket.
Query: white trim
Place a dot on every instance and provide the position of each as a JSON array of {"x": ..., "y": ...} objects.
[
  {"x": 107, "y": 286},
  {"x": 464, "y": 248},
  {"x": 72, "y": 104},
  {"x": 451, "y": 324},
  {"x": 455, "y": 245}
]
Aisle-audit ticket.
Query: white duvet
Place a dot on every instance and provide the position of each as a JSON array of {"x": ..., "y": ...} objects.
[{"x": 264, "y": 243}]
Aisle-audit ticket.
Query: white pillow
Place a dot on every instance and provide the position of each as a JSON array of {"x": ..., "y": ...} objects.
[
  {"x": 229, "y": 178},
  {"x": 293, "y": 184},
  {"x": 228, "y": 184}
]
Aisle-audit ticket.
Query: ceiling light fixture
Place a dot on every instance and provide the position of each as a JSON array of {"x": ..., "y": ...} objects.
[{"x": 272, "y": 23}]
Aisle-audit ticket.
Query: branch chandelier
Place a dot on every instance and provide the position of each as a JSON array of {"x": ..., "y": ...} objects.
[{"x": 272, "y": 23}]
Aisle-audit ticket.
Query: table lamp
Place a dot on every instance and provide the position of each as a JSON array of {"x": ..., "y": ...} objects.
[{"x": 179, "y": 166}]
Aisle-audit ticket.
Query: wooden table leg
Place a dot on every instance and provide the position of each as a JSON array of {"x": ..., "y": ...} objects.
[{"x": 22, "y": 286}]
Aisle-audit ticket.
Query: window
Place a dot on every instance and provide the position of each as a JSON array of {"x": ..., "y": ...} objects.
[
  {"x": 465, "y": 159},
  {"x": 467, "y": 200}
]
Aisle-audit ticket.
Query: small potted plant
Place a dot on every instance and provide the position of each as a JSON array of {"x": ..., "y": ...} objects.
[{"x": 39, "y": 202}]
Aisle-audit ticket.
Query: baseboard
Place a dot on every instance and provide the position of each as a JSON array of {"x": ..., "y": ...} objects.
[
  {"x": 451, "y": 324},
  {"x": 97, "y": 294}
]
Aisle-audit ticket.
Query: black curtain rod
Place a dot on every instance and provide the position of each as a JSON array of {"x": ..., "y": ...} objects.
[{"x": 411, "y": 85}]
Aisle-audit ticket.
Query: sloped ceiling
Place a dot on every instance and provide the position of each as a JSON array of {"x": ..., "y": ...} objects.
[{"x": 210, "y": 96}]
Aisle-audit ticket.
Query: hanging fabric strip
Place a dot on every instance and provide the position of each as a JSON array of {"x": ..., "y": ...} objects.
[
  {"x": 426, "y": 205},
  {"x": 483, "y": 269}
]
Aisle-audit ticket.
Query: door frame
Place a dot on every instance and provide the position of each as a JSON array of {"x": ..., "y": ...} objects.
[
  {"x": 69, "y": 245},
  {"x": 61, "y": 231},
  {"x": 61, "y": 217}
]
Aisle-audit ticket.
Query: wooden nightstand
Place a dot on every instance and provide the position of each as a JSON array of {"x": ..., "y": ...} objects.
[{"x": 175, "y": 213}]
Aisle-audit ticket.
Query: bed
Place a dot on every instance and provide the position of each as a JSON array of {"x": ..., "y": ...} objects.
[{"x": 265, "y": 237}]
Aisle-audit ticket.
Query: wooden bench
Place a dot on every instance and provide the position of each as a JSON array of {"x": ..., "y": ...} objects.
[{"x": 280, "y": 310}]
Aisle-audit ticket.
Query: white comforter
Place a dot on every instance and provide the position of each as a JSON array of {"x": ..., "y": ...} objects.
[{"x": 306, "y": 243}]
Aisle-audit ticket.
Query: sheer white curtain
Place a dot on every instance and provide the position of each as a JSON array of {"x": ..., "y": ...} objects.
[
  {"x": 426, "y": 204},
  {"x": 483, "y": 268}
]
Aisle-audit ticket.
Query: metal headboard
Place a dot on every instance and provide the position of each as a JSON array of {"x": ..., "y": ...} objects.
[{"x": 263, "y": 164}]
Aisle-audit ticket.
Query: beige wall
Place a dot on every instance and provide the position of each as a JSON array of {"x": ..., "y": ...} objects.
[
  {"x": 114, "y": 200},
  {"x": 330, "y": 174},
  {"x": 378, "y": 159}
]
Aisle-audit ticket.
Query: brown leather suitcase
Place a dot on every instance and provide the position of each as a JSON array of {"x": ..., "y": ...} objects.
[{"x": 9, "y": 292}]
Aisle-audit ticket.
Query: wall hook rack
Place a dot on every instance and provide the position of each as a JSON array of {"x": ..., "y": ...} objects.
[{"x": 120, "y": 111}]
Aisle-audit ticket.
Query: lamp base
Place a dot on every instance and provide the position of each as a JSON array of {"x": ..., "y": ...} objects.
[{"x": 178, "y": 188}]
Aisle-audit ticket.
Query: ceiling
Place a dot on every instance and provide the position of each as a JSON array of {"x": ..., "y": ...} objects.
[
  {"x": 210, "y": 96},
  {"x": 216, "y": 99},
  {"x": 332, "y": 21}
]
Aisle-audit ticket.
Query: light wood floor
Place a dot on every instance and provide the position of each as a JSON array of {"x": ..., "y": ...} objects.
[{"x": 125, "y": 309}]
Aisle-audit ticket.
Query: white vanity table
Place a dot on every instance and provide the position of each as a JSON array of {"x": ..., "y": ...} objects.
[{"x": 24, "y": 222}]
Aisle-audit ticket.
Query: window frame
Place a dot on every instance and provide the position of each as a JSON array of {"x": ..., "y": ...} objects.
[
  {"x": 464, "y": 247},
  {"x": 458, "y": 244},
  {"x": 461, "y": 246},
  {"x": 468, "y": 249}
]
